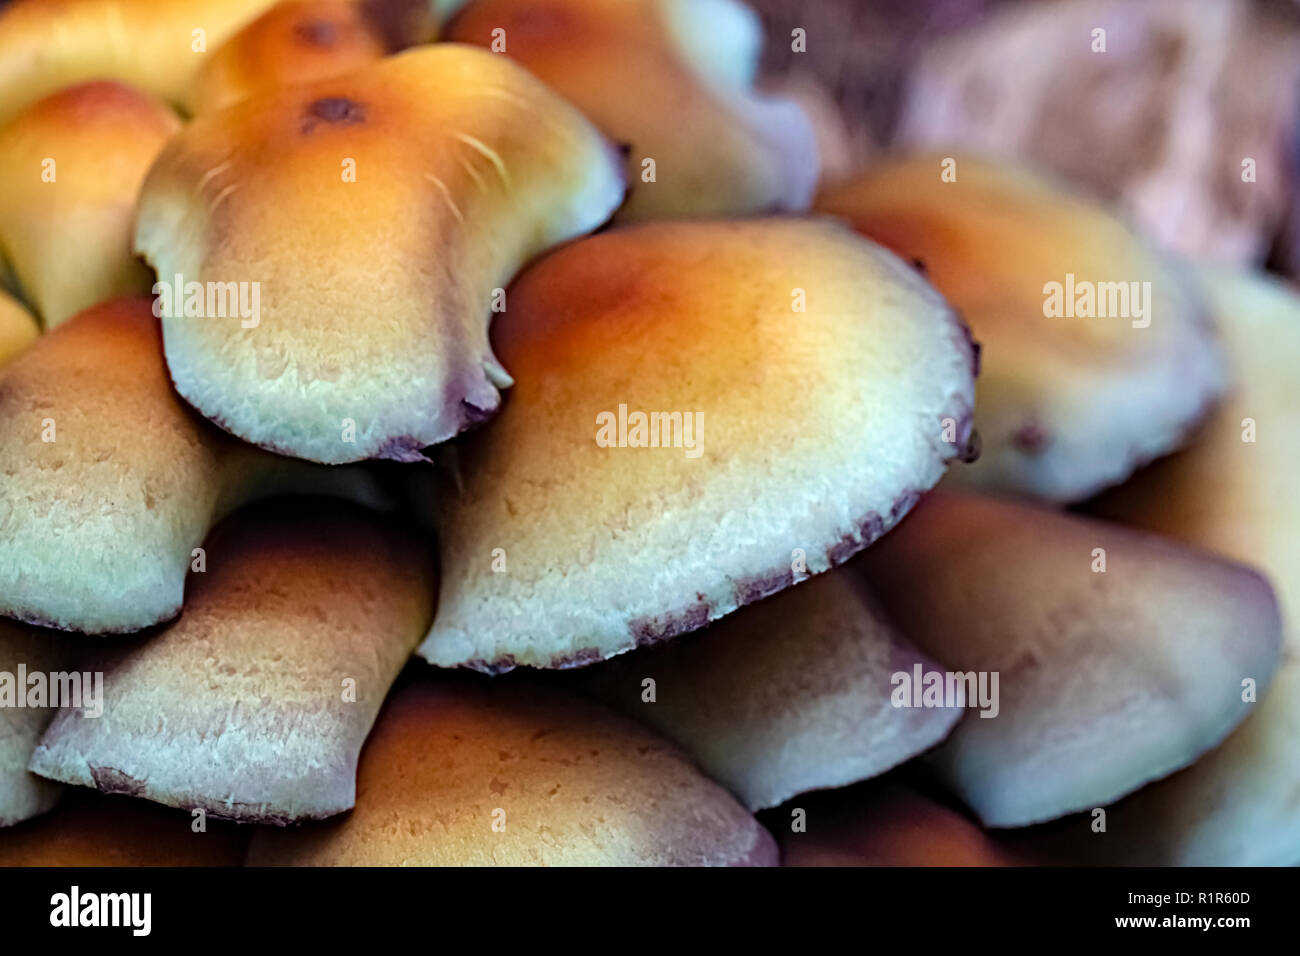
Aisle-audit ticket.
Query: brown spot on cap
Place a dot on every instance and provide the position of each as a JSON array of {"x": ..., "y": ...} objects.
[
  {"x": 316, "y": 32},
  {"x": 112, "y": 780},
  {"x": 1031, "y": 439},
  {"x": 334, "y": 110}
]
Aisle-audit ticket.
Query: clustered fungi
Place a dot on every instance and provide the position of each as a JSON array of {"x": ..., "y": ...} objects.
[{"x": 530, "y": 378}]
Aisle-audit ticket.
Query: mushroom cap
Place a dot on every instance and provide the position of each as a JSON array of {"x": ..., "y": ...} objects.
[
  {"x": 1233, "y": 807},
  {"x": 673, "y": 80},
  {"x": 112, "y": 480},
  {"x": 456, "y": 773},
  {"x": 91, "y": 829},
  {"x": 254, "y": 704},
  {"x": 23, "y": 794},
  {"x": 373, "y": 215},
  {"x": 1067, "y": 404},
  {"x": 1237, "y": 497},
  {"x": 817, "y": 431},
  {"x": 18, "y": 328},
  {"x": 1106, "y": 679},
  {"x": 297, "y": 41},
  {"x": 74, "y": 163},
  {"x": 787, "y": 695},
  {"x": 885, "y": 824},
  {"x": 156, "y": 45},
  {"x": 101, "y": 534}
]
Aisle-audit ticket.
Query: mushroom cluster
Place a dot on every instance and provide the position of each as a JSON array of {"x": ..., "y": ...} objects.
[{"x": 463, "y": 432}]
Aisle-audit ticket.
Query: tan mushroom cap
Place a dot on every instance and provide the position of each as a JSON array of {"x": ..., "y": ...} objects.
[
  {"x": 565, "y": 542},
  {"x": 23, "y": 794},
  {"x": 297, "y": 41},
  {"x": 673, "y": 80},
  {"x": 461, "y": 773},
  {"x": 1236, "y": 496},
  {"x": 18, "y": 328},
  {"x": 373, "y": 215},
  {"x": 255, "y": 703},
  {"x": 156, "y": 45},
  {"x": 74, "y": 162},
  {"x": 91, "y": 829},
  {"x": 787, "y": 695},
  {"x": 1106, "y": 679},
  {"x": 1068, "y": 403},
  {"x": 112, "y": 480}
]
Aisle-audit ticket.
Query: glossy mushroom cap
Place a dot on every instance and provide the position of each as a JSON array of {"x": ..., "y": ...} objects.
[
  {"x": 806, "y": 387},
  {"x": 111, "y": 479},
  {"x": 464, "y": 774},
  {"x": 297, "y": 41},
  {"x": 156, "y": 45},
  {"x": 787, "y": 695},
  {"x": 74, "y": 162},
  {"x": 1103, "y": 658},
  {"x": 365, "y": 221},
  {"x": 255, "y": 703},
  {"x": 1073, "y": 396},
  {"x": 1232, "y": 491},
  {"x": 673, "y": 80}
]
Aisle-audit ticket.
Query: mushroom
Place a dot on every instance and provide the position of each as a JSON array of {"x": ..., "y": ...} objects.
[
  {"x": 1098, "y": 356},
  {"x": 91, "y": 829},
  {"x": 297, "y": 41},
  {"x": 74, "y": 162},
  {"x": 270, "y": 681},
  {"x": 154, "y": 44},
  {"x": 784, "y": 696},
  {"x": 673, "y": 80},
  {"x": 373, "y": 221},
  {"x": 460, "y": 773},
  {"x": 18, "y": 328},
  {"x": 111, "y": 482},
  {"x": 883, "y": 824},
  {"x": 704, "y": 414},
  {"x": 1233, "y": 491},
  {"x": 1105, "y": 657},
  {"x": 24, "y": 651}
]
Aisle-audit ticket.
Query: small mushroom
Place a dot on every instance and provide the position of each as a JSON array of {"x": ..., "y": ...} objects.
[
  {"x": 459, "y": 773},
  {"x": 673, "y": 80},
  {"x": 784, "y": 696},
  {"x": 254, "y": 704},
  {"x": 1105, "y": 657},
  {"x": 374, "y": 220},
  {"x": 702, "y": 412},
  {"x": 111, "y": 481},
  {"x": 156, "y": 45},
  {"x": 1097, "y": 354},
  {"x": 298, "y": 41},
  {"x": 73, "y": 163}
]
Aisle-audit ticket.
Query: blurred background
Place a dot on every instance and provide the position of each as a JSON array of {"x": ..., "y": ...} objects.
[{"x": 1158, "y": 122}]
